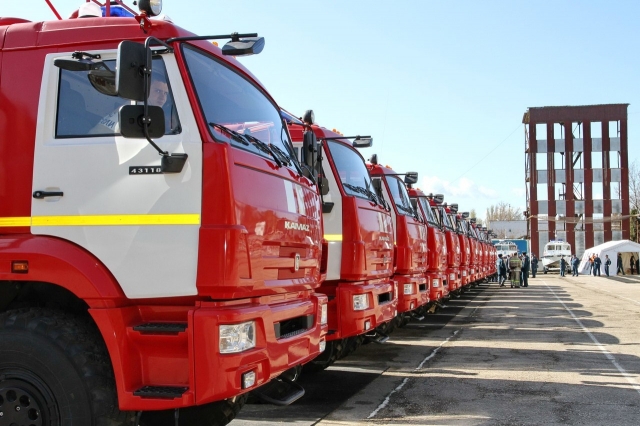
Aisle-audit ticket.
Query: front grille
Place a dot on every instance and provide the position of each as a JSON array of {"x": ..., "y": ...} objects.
[
  {"x": 385, "y": 298},
  {"x": 293, "y": 327}
]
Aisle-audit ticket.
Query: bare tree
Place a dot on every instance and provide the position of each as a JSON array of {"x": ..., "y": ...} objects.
[
  {"x": 634, "y": 197},
  {"x": 503, "y": 211},
  {"x": 472, "y": 213}
]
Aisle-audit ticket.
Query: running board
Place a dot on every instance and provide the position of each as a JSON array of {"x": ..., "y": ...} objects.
[
  {"x": 161, "y": 392},
  {"x": 417, "y": 317},
  {"x": 376, "y": 337},
  {"x": 279, "y": 391}
]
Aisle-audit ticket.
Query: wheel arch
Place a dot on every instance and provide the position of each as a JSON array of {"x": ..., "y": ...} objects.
[{"x": 58, "y": 263}]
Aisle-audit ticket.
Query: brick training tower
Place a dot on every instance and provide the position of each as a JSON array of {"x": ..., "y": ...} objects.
[{"x": 577, "y": 175}]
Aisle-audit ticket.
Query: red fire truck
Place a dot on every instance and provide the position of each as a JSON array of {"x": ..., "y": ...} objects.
[
  {"x": 410, "y": 240},
  {"x": 437, "y": 245},
  {"x": 160, "y": 248},
  {"x": 462, "y": 227},
  {"x": 358, "y": 259}
]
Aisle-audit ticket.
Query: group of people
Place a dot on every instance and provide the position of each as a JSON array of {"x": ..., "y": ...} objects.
[
  {"x": 594, "y": 265},
  {"x": 518, "y": 267}
]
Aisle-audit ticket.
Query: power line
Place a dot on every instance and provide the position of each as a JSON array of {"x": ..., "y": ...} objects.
[{"x": 489, "y": 153}]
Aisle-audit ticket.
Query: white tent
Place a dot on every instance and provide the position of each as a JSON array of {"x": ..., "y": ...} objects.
[{"x": 625, "y": 247}]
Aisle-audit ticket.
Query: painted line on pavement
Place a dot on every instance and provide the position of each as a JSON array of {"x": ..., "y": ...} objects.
[
  {"x": 406, "y": 379},
  {"x": 600, "y": 346}
]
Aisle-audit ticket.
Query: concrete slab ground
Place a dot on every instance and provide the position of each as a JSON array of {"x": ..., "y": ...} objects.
[{"x": 564, "y": 351}]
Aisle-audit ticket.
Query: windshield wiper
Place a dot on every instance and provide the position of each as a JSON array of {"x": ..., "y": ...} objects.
[
  {"x": 248, "y": 140},
  {"x": 238, "y": 137},
  {"x": 364, "y": 191},
  {"x": 266, "y": 148}
]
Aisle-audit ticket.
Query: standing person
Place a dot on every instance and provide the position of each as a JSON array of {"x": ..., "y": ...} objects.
[
  {"x": 619, "y": 265},
  {"x": 596, "y": 265},
  {"x": 502, "y": 270},
  {"x": 524, "y": 275},
  {"x": 534, "y": 265},
  {"x": 515, "y": 264},
  {"x": 632, "y": 261},
  {"x": 563, "y": 265},
  {"x": 607, "y": 263},
  {"x": 574, "y": 264},
  {"x": 591, "y": 263}
]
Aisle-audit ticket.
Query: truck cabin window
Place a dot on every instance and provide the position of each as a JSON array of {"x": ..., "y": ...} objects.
[
  {"x": 354, "y": 175},
  {"x": 83, "y": 111},
  {"x": 400, "y": 196},
  {"x": 237, "y": 111}
]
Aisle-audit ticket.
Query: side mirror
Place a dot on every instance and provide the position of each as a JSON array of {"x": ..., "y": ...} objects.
[
  {"x": 310, "y": 153},
  {"x": 130, "y": 64},
  {"x": 438, "y": 198},
  {"x": 465, "y": 215},
  {"x": 363, "y": 142},
  {"x": 374, "y": 159},
  {"x": 131, "y": 125},
  {"x": 411, "y": 178},
  {"x": 73, "y": 65},
  {"x": 377, "y": 185},
  {"x": 323, "y": 183},
  {"x": 244, "y": 47}
]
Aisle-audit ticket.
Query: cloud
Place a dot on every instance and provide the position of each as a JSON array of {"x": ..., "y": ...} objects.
[{"x": 462, "y": 188}]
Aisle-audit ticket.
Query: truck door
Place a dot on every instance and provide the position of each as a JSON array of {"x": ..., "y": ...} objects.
[{"x": 105, "y": 193}]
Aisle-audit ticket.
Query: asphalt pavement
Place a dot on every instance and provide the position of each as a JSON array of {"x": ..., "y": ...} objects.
[{"x": 565, "y": 351}]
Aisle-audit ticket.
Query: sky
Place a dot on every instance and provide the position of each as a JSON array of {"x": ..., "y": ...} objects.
[{"x": 441, "y": 86}]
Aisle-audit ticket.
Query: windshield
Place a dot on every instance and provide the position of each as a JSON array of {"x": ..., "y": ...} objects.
[
  {"x": 351, "y": 169},
  {"x": 426, "y": 209},
  {"x": 400, "y": 196},
  {"x": 237, "y": 111},
  {"x": 446, "y": 220}
]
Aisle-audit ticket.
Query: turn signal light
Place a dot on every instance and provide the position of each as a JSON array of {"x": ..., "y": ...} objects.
[{"x": 19, "y": 266}]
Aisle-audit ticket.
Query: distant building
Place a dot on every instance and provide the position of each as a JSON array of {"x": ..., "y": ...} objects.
[
  {"x": 512, "y": 229},
  {"x": 577, "y": 175}
]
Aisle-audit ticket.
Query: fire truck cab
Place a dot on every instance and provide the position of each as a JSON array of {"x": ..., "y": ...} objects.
[
  {"x": 358, "y": 232},
  {"x": 410, "y": 240},
  {"x": 160, "y": 247}
]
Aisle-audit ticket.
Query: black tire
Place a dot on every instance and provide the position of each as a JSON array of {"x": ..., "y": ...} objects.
[
  {"x": 351, "y": 345},
  {"x": 55, "y": 371},
  {"x": 330, "y": 355},
  {"x": 217, "y": 413}
]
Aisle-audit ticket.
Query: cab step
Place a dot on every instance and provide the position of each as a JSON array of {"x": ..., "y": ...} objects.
[
  {"x": 161, "y": 392},
  {"x": 279, "y": 391},
  {"x": 161, "y": 328}
]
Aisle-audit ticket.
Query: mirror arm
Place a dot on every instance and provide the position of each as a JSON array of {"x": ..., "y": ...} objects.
[
  {"x": 234, "y": 36},
  {"x": 171, "y": 163}
]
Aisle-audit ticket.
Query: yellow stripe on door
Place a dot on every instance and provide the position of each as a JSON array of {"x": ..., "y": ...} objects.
[{"x": 103, "y": 220}]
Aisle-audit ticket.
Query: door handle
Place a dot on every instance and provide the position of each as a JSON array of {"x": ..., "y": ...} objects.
[{"x": 42, "y": 194}]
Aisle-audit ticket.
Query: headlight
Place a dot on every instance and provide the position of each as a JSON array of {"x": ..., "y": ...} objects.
[
  {"x": 452, "y": 277},
  {"x": 238, "y": 337},
  {"x": 360, "y": 302},
  {"x": 323, "y": 314},
  {"x": 323, "y": 345},
  {"x": 435, "y": 283},
  {"x": 408, "y": 289},
  {"x": 464, "y": 273}
]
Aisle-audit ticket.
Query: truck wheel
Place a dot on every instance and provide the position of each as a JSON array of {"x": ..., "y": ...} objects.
[
  {"x": 55, "y": 371},
  {"x": 217, "y": 413},
  {"x": 326, "y": 358},
  {"x": 351, "y": 345}
]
